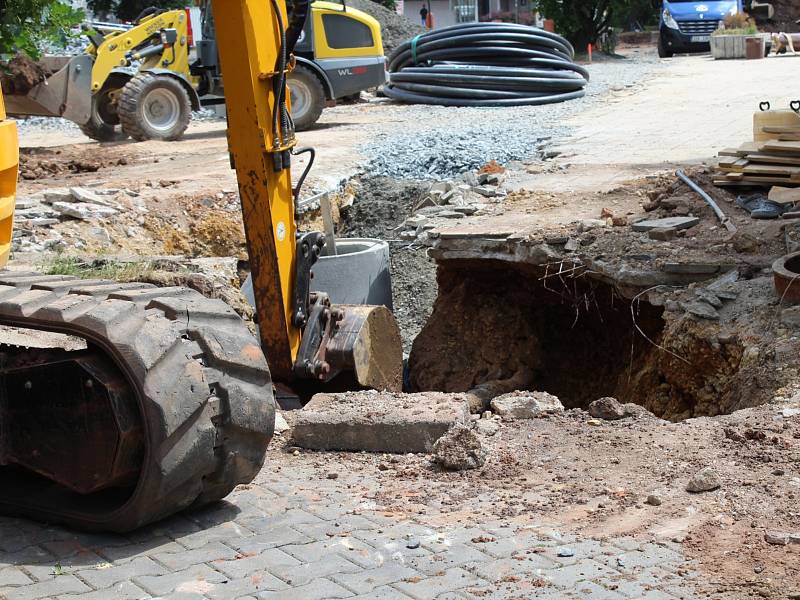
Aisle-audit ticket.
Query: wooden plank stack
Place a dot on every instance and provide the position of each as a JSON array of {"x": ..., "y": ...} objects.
[{"x": 772, "y": 159}]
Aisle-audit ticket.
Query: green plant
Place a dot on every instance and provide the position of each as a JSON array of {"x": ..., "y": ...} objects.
[
  {"x": 99, "y": 268},
  {"x": 25, "y": 25}
]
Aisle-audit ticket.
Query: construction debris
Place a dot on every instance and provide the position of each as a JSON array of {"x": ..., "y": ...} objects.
[
  {"x": 459, "y": 449},
  {"x": 378, "y": 421}
]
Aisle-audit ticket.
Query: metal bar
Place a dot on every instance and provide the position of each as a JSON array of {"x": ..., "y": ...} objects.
[{"x": 726, "y": 222}]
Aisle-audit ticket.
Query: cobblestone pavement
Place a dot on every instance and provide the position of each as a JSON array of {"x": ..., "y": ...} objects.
[{"x": 293, "y": 535}]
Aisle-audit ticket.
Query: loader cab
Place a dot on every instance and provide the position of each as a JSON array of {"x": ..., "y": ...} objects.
[
  {"x": 687, "y": 25},
  {"x": 346, "y": 49}
]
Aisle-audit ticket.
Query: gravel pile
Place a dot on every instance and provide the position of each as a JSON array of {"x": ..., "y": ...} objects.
[
  {"x": 442, "y": 153},
  {"x": 395, "y": 29},
  {"x": 442, "y": 142}
]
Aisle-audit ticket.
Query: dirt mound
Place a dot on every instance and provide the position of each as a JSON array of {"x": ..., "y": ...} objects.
[
  {"x": 20, "y": 74},
  {"x": 44, "y": 163},
  {"x": 395, "y": 29}
]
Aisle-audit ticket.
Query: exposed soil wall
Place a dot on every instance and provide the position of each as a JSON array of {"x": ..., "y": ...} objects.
[{"x": 581, "y": 340}]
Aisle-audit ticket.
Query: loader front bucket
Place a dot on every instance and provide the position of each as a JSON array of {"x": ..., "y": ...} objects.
[{"x": 66, "y": 93}]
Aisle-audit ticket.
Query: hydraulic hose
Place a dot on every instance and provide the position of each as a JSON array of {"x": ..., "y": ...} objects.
[{"x": 485, "y": 64}]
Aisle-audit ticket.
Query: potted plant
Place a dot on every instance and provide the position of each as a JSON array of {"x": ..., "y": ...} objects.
[{"x": 729, "y": 41}]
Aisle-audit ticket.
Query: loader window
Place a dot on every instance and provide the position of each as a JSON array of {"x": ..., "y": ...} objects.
[{"x": 344, "y": 32}]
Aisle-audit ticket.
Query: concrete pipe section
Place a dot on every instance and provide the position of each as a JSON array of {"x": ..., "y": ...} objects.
[{"x": 357, "y": 274}]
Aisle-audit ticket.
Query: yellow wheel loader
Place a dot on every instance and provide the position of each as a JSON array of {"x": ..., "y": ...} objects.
[
  {"x": 144, "y": 81},
  {"x": 123, "y": 403}
]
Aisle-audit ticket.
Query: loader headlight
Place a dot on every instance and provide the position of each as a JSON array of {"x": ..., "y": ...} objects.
[{"x": 668, "y": 19}]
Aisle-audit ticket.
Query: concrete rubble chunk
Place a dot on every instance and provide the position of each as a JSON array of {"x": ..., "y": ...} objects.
[
  {"x": 702, "y": 310},
  {"x": 58, "y": 195},
  {"x": 526, "y": 405},
  {"x": 776, "y": 538},
  {"x": 487, "y": 427},
  {"x": 705, "y": 480},
  {"x": 378, "y": 421},
  {"x": 608, "y": 409},
  {"x": 92, "y": 197},
  {"x": 280, "y": 423},
  {"x": 673, "y": 222},
  {"x": 589, "y": 224},
  {"x": 485, "y": 190},
  {"x": 662, "y": 234},
  {"x": 459, "y": 449},
  {"x": 84, "y": 210}
]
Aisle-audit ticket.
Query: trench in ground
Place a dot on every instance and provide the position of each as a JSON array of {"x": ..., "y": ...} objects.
[{"x": 576, "y": 337}]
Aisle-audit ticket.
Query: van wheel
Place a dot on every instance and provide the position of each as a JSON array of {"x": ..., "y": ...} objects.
[
  {"x": 307, "y": 97},
  {"x": 663, "y": 51}
]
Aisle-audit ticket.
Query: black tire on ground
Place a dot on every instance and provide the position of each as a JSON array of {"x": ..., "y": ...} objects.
[
  {"x": 307, "y": 97},
  {"x": 663, "y": 50},
  {"x": 154, "y": 107},
  {"x": 203, "y": 389},
  {"x": 103, "y": 125}
]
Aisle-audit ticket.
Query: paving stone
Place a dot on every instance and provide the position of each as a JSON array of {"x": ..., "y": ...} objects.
[
  {"x": 497, "y": 570},
  {"x": 593, "y": 591},
  {"x": 318, "y": 589},
  {"x": 26, "y": 556},
  {"x": 342, "y": 525},
  {"x": 365, "y": 581},
  {"x": 13, "y": 576},
  {"x": 227, "y": 532},
  {"x": 55, "y": 586},
  {"x": 335, "y": 545},
  {"x": 70, "y": 564},
  {"x": 384, "y": 592},
  {"x": 305, "y": 573},
  {"x": 295, "y": 517},
  {"x": 106, "y": 574},
  {"x": 378, "y": 422},
  {"x": 158, "y": 545},
  {"x": 273, "y": 560},
  {"x": 565, "y": 577},
  {"x": 279, "y": 536},
  {"x": 193, "y": 578},
  {"x": 124, "y": 590},
  {"x": 431, "y": 587},
  {"x": 455, "y": 556},
  {"x": 259, "y": 581},
  {"x": 177, "y": 561}
]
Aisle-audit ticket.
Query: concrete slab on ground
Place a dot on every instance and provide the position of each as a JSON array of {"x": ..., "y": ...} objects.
[{"x": 378, "y": 421}]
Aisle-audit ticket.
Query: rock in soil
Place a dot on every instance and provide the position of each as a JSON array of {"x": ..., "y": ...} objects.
[
  {"x": 378, "y": 421},
  {"x": 526, "y": 405},
  {"x": 459, "y": 449},
  {"x": 776, "y": 538},
  {"x": 608, "y": 409},
  {"x": 704, "y": 480}
]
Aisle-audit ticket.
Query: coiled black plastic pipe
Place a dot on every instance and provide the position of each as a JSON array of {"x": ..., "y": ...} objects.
[{"x": 485, "y": 64}]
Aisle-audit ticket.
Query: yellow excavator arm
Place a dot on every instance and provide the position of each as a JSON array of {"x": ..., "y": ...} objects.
[{"x": 302, "y": 334}]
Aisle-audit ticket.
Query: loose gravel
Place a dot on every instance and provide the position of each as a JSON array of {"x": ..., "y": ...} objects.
[{"x": 442, "y": 142}]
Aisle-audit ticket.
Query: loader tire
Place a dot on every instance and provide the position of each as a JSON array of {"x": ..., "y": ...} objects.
[
  {"x": 307, "y": 97},
  {"x": 202, "y": 386},
  {"x": 154, "y": 107},
  {"x": 103, "y": 125}
]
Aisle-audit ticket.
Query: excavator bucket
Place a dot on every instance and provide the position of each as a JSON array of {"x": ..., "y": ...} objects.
[
  {"x": 367, "y": 343},
  {"x": 66, "y": 93}
]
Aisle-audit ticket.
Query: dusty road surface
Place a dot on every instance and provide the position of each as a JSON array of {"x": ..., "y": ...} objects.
[{"x": 540, "y": 274}]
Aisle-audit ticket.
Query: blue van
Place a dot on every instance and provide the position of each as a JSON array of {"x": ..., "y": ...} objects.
[{"x": 686, "y": 25}]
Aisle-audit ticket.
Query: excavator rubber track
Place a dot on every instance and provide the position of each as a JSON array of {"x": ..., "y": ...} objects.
[{"x": 188, "y": 365}]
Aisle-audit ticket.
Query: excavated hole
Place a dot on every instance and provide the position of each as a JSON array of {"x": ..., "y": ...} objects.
[{"x": 576, "y": 337}]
